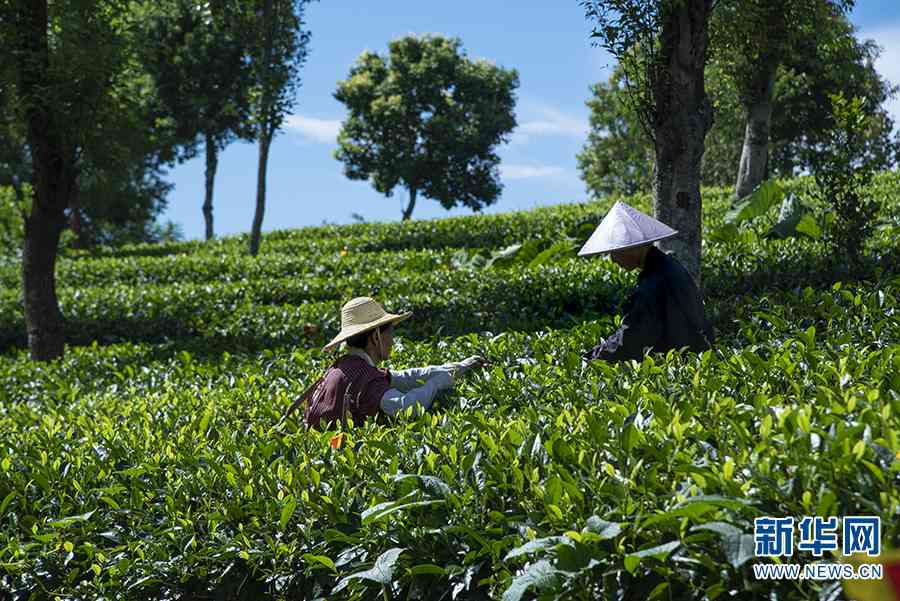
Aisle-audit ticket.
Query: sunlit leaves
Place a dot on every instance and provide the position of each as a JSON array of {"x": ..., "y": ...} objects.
[{"x": 156, "y": 460}]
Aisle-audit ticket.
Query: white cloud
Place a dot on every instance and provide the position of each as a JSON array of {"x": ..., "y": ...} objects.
[
  {"x": 515, "y": 171},
  {"x": 548, "y": 121},
  {"x": 888, "y": 64},
  {"x": 317, "y": 130}
]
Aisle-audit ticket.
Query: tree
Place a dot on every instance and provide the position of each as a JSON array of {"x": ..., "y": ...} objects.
[
  {"x": 754, "y": 37},
  {"x": 662, "y": 46},
  {"x": 196, "y": 54},
  {"x": 800, "y": 127},
  {"x": 833, "y": 61},
  {"x": 72, "y": 87},
  {"x": 278, "y": 51},
  {"x": 64, "y": 59},
  {"x": 120, "y": 191},
  {"x": 617, "y": 157},
  {"x": 427, "y": 118}
]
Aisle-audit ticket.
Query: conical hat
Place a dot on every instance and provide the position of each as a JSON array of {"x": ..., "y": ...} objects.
[
  {"x": 624, "y": 227},
  {"x": 360, "y": 315}
]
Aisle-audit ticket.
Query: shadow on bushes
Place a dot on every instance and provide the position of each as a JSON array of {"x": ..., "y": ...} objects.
[{"x": 524, "y": 305}]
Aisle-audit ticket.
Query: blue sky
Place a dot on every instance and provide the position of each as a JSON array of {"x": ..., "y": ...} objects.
[{"x": 556, "y": 63}]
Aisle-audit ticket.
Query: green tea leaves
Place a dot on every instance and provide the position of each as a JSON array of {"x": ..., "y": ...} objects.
[
  {"x": 382, "y": 572},
  {"x": 738, "y": 546},
  {"x": 659, "y": 552}
]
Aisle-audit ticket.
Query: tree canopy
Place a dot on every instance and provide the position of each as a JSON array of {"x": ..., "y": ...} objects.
[
  {"x": 427, "y": 118},
  {"x": 617, "y": 156},
  {"x": 197, "y": 56}
]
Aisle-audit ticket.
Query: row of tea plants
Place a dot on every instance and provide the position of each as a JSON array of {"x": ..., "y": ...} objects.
[{"x": 149, "y": 463}]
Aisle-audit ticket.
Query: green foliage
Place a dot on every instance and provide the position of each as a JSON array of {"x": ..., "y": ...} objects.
[
  {"x": 533, "y": 253},
  {"x": 148, "y": 465},
  {"x": 104, "y": 227},
  {"x": 791, "y": 213},
  {"x": 842, "y": 175},
  {"x": 618, "y": 156},
  {"x": 753, "y": 37},
  {"x": 827, "y": 59},
  {"x": 108, "y": 113},
  {"x": 754, "y": 205},
  {"x": 12, "y": 233},
  {"x": 427, "y": 118},
  {"x": 197, "y": 56},
  {"x": 765, "y": 196}
]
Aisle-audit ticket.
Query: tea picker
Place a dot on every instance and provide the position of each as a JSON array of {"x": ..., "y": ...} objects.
[
  {"x": 354, "y": 385},
  {"x": 664, "y": 311}
]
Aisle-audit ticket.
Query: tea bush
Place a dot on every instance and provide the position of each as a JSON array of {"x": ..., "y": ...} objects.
[{"x": 148, "y": 464}]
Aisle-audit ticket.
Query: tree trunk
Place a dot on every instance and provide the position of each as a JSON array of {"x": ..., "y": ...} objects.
[
  {"x": 54, "y": 179},
  {"x": 266, "y": 131},
  {"x": 755, "y": 152},
  {"x": 256, "y": 232},
  {"x": 43, "y": 319},
  {"x": 683, "y": 115},
  {"x": 212, "y": 163},
  {"x": 407, "y": 212}
]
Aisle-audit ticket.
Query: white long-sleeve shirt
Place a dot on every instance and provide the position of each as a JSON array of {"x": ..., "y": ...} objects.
[{"x": 414, "y": 387}]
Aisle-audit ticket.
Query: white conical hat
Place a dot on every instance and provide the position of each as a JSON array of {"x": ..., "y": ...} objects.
[
  {"x": 360, "y": 315},
  {"x": 624, "y": 227}
]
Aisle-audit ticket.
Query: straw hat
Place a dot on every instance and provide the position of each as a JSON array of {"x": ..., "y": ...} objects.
[
  {"x": 625, "y": 227},
  {"x": 360, "y": 315}
]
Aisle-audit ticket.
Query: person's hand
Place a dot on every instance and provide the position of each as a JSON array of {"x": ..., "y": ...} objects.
[
  {"x": 460, "y": 368},
  {"x": 473, "y": 362}
]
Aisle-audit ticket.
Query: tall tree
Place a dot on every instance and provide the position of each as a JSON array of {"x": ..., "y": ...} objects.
[
  {"x": 74, "y": 88},
  {"x": 196, "y": 53},
  {"x": 618, "y": 155},
  {"x": 65, "y": 58},
  {"x": 427, "y": 118},
  {"x": 831, "y": 61},
  {"x": 755, "y": 37},
  {"x": 662, "y": 46},
  {"x": 279, "y": 50}
]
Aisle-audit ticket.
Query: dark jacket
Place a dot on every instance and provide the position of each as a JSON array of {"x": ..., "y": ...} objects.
[{"x": 664, "y": 312}]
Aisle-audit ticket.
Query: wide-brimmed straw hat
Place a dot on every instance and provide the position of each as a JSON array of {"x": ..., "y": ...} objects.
[
  {"x": 360, "y": 315},
  {"x": 625, "y": 227}
]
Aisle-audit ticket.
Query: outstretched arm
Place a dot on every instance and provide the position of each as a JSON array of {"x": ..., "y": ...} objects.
[
  {"x": 407, "y": 379},
  {"x": 393, "y": 401}
]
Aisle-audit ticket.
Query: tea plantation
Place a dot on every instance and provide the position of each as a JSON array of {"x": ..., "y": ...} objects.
[{"x": 148, "y": 463}]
